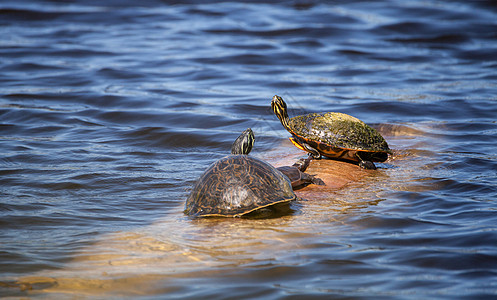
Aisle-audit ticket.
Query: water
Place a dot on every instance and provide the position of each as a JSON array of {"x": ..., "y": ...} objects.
[{"x": 110, "y": 111}]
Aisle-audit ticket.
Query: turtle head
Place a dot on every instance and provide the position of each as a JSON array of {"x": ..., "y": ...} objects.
[
  {"x": 279, "y": 108},
  {"x": 244, "y": 143}
]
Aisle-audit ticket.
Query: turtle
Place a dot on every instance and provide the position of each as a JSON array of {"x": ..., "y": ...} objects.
[
  {"x": 334, "y": 135},
  {"x": 239, "y": 184}
]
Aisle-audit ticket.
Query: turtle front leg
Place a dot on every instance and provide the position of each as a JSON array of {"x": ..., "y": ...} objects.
[
  {"x": 302, "y": 145},
  {"x": 302, "y": 163},
  {"x": 308, "y": 178},
  {"x": 312, "y": 151},
  {"x": 365, "y": 164},
  {"x": 305, "y": 178}
]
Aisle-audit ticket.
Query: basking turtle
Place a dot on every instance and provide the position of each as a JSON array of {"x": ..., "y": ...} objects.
[
  {"x": 335, "y": 135},
  {"x": 238, "y": 184}
]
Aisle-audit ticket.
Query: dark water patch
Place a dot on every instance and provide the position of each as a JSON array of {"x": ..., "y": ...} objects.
[
  {"x": 354, "y": 53},
  {"x": 395, "y": 224},
  {"x": 450, "y": 261},
  {"x": 206, "y": 11},
  {"x": 30, "y": 206},
  {"x": 112, "y": 73},
  {"x": 252, "y": 59},
  {"x": 478, "y": 125},
  {"x": 31, "y": 67},
  {"x": 29, "y": 119},
  {"x": 455, "y": 109},
  {"x": 46, "y": 221},
  {"x": 407, "y": 28},
  {"x": 459, "y": 188},
  {"x": 28, "y": 100},
  {"x": 273, "y": 33},
  {"x": 447, "y": 41},
  {"x": 11, "y": 14},
  {"x": 83, "y": 14},
  {"x": 395, "y": 111},
  {"x": 478, "y": 54},
  {"x": 243, "y": 45},
  {"x": 306, "y": 43},
  {"x": 475, "y": 216},
  {"x": 419, "y": 237},
  {"x": 477, "y": 274},
  {"x": 164, "y": 138},
  {"x": 38, "y": 51},
  {"x": 77, "y": 52},
  {"x": 93, "y": 103}
]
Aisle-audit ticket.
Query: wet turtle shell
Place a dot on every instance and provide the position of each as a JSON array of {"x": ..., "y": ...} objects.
[
  {"x": 237, "y": 185},
  {"x": 335, "y": 135}
]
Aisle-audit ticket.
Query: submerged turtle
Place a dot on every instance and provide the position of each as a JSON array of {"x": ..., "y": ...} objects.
[
  {"x": 239, "y": 184},
  {"x": 335, "y": 135}
]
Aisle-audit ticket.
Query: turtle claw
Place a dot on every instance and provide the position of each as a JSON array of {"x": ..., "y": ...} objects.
[
  {"x": 317, "y": 181},
  {"x": 315, "y": 155},
  {"x": 302, "y": 163},
  {"x": 366, "y": 164}
]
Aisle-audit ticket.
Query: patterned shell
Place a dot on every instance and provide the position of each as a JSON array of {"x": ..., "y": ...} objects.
[
  {"x": 338, "y": 131},
  {"x": 237, "y": 185}
]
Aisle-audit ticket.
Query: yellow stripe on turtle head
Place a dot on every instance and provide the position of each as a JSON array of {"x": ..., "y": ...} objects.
[
  {"x": 279, "y": 108},
  {"x": 244, "y": 143}
]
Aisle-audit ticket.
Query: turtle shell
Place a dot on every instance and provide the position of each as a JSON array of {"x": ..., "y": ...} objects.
[
  {"x": 339, "y": 135},
  {"x": 237, "y": 185}
]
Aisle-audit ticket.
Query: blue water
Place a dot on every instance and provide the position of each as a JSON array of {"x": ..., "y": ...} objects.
[{"x": 110, "y": 110}]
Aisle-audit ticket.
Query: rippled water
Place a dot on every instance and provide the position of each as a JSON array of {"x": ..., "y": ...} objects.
[{"x": 110, "y": 111}]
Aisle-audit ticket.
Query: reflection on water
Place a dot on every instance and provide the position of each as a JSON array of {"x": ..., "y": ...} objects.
[
  {"x": 153, "y": 259},
  {"x": 177, "y": 248}
]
